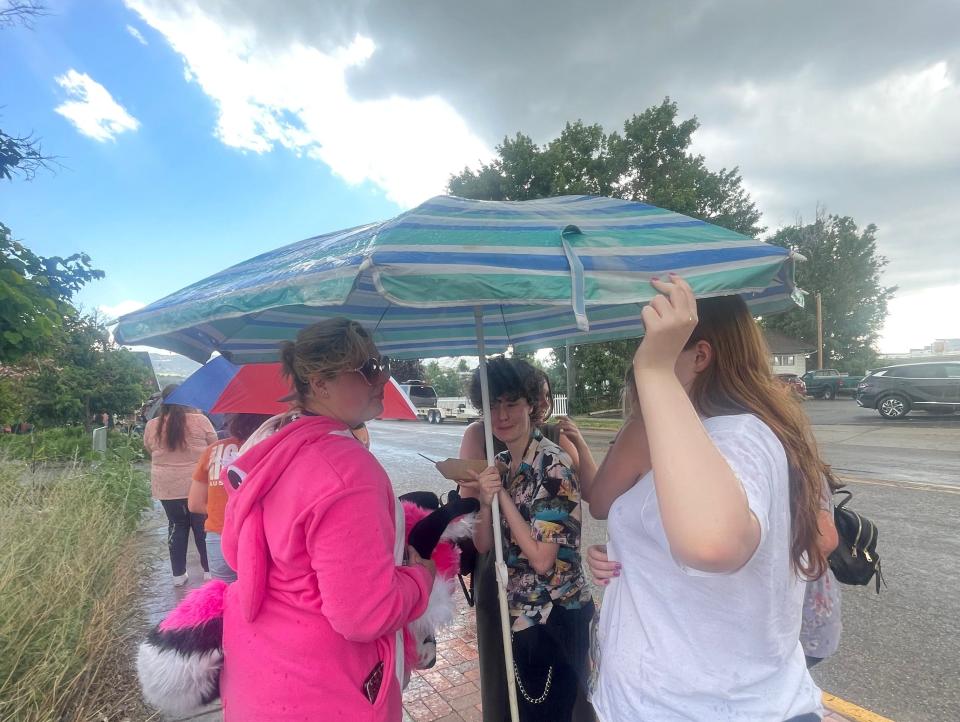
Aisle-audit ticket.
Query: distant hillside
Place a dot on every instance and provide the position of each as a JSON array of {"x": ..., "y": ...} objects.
[{"x": 171, "y": 368}]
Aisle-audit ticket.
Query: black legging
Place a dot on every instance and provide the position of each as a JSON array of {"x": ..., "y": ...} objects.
[{"x": 179, "y": 522}]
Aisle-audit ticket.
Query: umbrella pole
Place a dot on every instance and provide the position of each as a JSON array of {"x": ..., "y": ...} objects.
[{"x": 500, "y": 567}]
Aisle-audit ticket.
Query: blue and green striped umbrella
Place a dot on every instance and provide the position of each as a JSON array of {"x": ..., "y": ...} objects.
[{"x": 544, "y": 271}]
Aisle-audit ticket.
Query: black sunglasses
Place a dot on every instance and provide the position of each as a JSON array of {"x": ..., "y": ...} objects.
[{"x": 375, "y": 370}]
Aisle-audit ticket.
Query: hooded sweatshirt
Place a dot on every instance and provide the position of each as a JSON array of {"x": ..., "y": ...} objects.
[{"x": 310, "y": 529}]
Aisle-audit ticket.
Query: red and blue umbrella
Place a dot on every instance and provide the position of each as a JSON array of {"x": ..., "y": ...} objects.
[{"x": 222, "y": 387}]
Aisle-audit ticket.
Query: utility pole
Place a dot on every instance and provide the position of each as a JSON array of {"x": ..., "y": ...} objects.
[
  {"x": 571, "y": 379},
  {"x": 819, "y": 332}
]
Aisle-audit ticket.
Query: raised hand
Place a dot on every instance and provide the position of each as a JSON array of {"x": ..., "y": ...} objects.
[
  {"x": 669, "y": 320},
  {"x": 569, "y": 429}
]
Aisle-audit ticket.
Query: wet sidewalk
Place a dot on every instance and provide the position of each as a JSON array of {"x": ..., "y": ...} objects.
[{"x": 450, "y": 692}]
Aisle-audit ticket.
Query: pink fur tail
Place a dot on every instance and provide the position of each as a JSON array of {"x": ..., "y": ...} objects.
[{"x": 179, "y": 663}]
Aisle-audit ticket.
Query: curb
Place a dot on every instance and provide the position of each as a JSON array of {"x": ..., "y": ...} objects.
[{"x": 852, "y": 712}]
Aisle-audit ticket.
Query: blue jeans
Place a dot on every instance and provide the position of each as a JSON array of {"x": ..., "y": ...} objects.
[{"x": 219, "y": 569}]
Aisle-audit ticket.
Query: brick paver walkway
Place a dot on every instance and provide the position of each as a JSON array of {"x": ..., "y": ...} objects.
[{"x": 451, "y": 690}]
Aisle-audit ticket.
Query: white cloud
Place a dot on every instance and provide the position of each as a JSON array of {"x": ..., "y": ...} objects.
[
  {"x": 918, "y": 318},
  {"x": 136, "y": 34},
  {"x": 92, "y": 109},
  {"x": 296, "y": 96},
  {"x": 115, "y": 311}
]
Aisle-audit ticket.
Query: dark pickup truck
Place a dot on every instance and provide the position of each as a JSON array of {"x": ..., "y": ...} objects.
[{"x": 830, "y": 383}]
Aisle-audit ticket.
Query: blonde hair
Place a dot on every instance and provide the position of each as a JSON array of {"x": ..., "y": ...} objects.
[{"x": 325, "y": 349}]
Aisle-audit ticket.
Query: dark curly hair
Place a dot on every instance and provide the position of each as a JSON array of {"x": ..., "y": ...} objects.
[{"x": 509, "y": 377}]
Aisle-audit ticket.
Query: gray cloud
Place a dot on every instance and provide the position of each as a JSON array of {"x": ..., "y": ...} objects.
[{"x": 854, "y": 106}]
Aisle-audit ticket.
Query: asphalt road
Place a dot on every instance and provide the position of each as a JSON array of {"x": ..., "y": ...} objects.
[{"x": 900, "y": 650}]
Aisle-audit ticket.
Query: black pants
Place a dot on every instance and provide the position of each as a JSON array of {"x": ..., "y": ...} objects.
[
  {"x": 493, "y": 683},
  {"x": 554, "y": 653},
  {"x": 179, "y": 522}
]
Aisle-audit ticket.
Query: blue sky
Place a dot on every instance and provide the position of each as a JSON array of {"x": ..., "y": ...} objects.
[
  {"x": 197, "y": 133},
  {"x": 166, "y": 204}
]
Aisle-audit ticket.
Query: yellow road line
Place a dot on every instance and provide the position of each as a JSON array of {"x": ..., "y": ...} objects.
[
  {"x": 917, "y": 485},
  {"x": 850, "y": 710}
]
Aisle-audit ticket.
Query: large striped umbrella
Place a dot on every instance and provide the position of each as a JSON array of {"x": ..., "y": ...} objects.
[
  {"x": 455, "y": 276},
  {"x": 545, "y": 271}
]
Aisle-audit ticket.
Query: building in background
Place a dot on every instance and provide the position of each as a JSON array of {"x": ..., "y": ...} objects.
[
  {"x": 788, "y": 355},
  {"x": 942, "y": 349}
]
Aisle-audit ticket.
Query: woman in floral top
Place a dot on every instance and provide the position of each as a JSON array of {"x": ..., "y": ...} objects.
[{"x": 539, "y": 493}]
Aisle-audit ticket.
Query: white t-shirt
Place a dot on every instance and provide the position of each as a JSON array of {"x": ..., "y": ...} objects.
[{"x": 680, "y": 644}]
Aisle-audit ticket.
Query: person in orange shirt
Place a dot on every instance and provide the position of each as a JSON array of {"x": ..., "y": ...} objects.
[{"x": 207, "y": 495}]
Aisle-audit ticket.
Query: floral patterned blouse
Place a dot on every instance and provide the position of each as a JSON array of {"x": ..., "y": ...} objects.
[
  {"x": 546, "y": 492},
  {"x": 821, "y": 626}
]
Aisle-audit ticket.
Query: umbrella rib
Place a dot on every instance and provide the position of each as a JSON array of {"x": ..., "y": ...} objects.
[
  {"x": 380, "y": 320},
  {"x": 506, "y": 329}
]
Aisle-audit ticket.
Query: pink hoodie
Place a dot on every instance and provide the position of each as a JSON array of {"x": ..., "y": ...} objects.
[{"x": 319, "y": 598}]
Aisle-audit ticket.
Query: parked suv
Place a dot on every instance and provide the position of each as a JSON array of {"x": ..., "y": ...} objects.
[{"x": 896, "y": 390}]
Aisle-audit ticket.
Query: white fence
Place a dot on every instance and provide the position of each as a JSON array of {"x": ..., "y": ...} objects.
[{"x": 560, "y": 405}]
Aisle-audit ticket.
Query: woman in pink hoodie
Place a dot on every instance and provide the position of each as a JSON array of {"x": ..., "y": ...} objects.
[{"x": 310, "y": 627}]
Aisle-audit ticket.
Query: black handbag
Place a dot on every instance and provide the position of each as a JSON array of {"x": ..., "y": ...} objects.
[{"x": 855, "y": 560}]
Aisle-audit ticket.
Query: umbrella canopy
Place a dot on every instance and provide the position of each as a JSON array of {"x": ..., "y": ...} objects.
[
  {"x": 222, "y": 387},
  {"x": 570, "y": 268}
]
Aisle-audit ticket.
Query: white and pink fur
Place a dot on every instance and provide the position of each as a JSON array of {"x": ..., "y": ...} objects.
[
  {"x": 179, "y": 663},
  {"x": 419, "y": 637}
]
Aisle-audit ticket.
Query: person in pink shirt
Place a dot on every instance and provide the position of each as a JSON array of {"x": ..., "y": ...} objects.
[
  {"x": 310, "y": 627},
  {"x": 176, "y": 439}
]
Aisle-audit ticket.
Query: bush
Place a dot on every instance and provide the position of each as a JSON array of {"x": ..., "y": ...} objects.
[
  {"x": 67, "y": 574},
  {"x": 66, "y": 445}
]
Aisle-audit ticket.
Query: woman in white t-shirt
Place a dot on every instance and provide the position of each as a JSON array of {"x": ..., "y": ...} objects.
[{"x": 711, "y": 492}]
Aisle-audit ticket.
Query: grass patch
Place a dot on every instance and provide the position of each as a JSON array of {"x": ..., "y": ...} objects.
[
  {"x": 597, "y": 424},
  {"x": 64, "y": 445},
  {"x": 65, "y": 578}
]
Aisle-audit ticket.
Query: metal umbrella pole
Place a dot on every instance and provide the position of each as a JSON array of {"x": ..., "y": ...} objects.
[{"x": 500, "y": 567}]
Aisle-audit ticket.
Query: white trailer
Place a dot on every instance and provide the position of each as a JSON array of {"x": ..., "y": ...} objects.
[{"x": 456, "y": 408}]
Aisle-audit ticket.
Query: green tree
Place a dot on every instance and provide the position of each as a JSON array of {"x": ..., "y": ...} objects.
[
  {"x": 86, "y": 375},
  {"x": 445, "y": 380},
  {"x": 649, "y": 161},
  {"x": 406, "y": 369},
  {"x": 843, "y": 265},
  {"x": 12, "y": 401},
  {"x": 35, "y": 294}
]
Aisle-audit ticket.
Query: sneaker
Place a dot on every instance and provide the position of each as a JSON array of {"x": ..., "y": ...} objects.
[
  {"x": 207, "y": 576},
  {"x": 180, "y": 581}
]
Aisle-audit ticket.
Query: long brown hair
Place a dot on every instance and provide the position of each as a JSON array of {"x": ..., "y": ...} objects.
[
  {"x": 173, "y": 419},
  {"x": 739, "y": 380}
]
